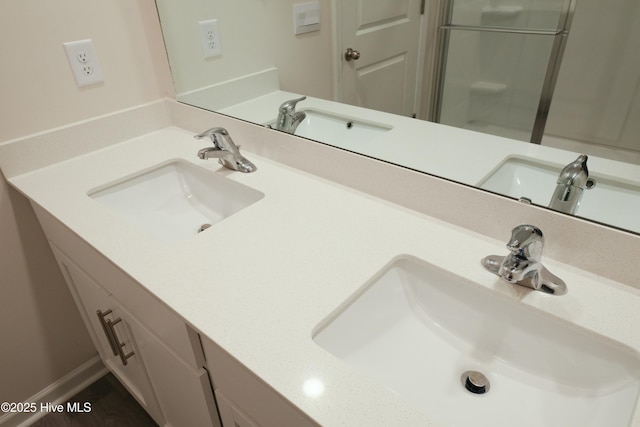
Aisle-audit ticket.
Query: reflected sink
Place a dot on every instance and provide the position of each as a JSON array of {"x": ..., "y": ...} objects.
[
  {"x": 336, "y": 129},
  {"x": 417, "y": 329},
  {"x": 174, "y": 201},
  {"x": 521, "y": 177},
  {"x": 611, "y": 201}
]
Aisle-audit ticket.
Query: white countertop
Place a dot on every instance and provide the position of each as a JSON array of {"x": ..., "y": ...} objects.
[{"x": 259, "y": 282}]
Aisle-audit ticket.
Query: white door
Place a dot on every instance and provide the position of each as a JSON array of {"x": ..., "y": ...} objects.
[{"x": 386, "y": 35}]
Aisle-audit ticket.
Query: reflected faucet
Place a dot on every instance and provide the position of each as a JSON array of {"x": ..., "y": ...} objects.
[
  {"x": 570, "y": 185},
  {"x": 288, "y": 119},
  {"x": 225, "y": 150},
  {"x": 523, "y": 266}
]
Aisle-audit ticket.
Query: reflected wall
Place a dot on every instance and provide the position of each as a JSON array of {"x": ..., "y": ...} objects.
[
  {"x": 255, "y": 36},
  {"x": 597, "y": 96}
]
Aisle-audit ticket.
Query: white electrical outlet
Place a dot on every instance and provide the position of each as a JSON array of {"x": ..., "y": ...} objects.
[
  {"x": 84, "y": 62},
  {"x": 211, "y": 45}
]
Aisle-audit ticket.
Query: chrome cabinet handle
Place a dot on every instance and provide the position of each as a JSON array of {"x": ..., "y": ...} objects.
[
  {"x": 101, "y": 317},
  {"x": 117, "y": 347},
  {"x": 350, "y": 54}
]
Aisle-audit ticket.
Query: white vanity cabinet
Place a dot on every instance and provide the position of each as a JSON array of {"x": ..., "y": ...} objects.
[
  {"x": 174, "y": 392},
  {"x": 166, "y": 360},
  {"x": 143, "y": 342},
  {"x": 111, "y": 334}
]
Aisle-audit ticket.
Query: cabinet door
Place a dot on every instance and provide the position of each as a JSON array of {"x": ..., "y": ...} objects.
[
  {"x": 230, "y": 414},
  {"x": 247, "y": 400},
  {"x": 89, "y": 298},
  {"x": 106, "y": 325},
  {"x": 184, "y": 394}
]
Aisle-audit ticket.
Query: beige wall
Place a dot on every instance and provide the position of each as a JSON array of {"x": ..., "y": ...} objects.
[
  {"x": 42, "y": 335},
  {"x": 37, "y": 86}
]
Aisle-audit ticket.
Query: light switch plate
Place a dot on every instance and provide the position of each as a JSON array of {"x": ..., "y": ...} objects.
[
  {"x": 84, "y": 62},
  {"x": 306, "y": 17},
  {"x": 211, "y": 44}
]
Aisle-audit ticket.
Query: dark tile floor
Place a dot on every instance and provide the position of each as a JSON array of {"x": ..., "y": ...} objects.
[{"x": 111, "y": 406}]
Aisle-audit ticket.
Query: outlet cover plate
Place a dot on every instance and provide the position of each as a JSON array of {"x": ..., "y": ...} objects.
[
  {"x": 84, "y": 62},
  {"x": 210, "y": 36}
]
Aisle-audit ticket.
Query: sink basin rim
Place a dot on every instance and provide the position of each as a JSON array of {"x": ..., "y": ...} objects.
[
  {"x": 347, "y": 125},
  {"x": 174, "y": 199},
  {"x": 619, "y": 381}
]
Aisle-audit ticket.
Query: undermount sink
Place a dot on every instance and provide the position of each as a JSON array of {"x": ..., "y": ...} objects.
[
  {"x": 612, "y": 201},
  {"x": 176, "y": 200},
  {"x": 336, "y": 129},
  {"x": 420, "y": 330}
]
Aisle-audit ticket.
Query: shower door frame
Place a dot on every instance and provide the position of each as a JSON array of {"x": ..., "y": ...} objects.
[{"x": 444, "y": 11}]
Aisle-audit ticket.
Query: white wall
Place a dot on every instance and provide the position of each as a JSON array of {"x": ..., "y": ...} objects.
[
  {"x": 42, "y": 335},
  {"x": 597, "y": 97},
  {"x": 255, "y": 35}
]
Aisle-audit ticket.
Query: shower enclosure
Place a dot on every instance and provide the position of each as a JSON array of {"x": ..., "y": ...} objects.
[{"x": 498, "y": 62}]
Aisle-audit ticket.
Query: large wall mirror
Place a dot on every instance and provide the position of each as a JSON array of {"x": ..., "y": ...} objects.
[{"x": 524, "y": 87}]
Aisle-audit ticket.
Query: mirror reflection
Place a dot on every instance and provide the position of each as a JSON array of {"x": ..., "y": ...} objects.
[{"x": 501, "y": 74}]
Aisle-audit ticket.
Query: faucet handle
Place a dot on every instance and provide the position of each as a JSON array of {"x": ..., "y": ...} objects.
[
  {"x": 225, "y": 150},
  {"x": 212, "y": 133},
  {"x": 220, "y": 138},
  {"x": 290, "y": 105}
]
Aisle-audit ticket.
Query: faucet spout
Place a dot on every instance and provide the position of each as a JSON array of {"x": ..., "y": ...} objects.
[
  {"x": 570, "y": 186},
  {"x": 523, "y": 266}
]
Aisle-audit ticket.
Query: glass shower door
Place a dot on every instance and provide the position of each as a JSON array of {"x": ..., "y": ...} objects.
[{"x": 498, "y": 63}]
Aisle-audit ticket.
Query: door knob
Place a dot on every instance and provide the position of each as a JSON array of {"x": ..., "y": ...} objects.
[{"x": 350, "y": 54}]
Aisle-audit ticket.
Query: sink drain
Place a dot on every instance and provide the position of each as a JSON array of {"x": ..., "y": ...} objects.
[
  {"x": 203, "y": 227},
  {"x": 476, "y": 382}
]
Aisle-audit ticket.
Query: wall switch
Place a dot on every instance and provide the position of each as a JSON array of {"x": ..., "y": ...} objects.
[
  {"x": 306, "y": 17},
  {"x": 84, "y": 62},
  {"x": 210, "y": 36}
]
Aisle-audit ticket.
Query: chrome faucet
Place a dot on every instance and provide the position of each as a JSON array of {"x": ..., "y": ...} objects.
[
  {"x": 523, "y": 265},
  {"x": 570, "y": 184},
  {"x": 288, "y": 119},
  {"x": 225, "y": 150}
]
